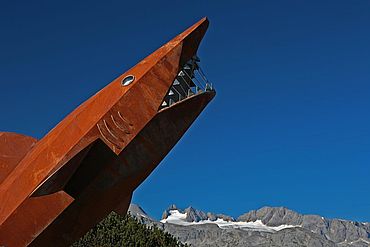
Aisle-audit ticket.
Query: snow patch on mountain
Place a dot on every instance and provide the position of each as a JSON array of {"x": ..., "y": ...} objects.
[{"x": 178, "y": 218}]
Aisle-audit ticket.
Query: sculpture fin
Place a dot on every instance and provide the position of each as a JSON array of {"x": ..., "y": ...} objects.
[{"x": 13, "y": 147}]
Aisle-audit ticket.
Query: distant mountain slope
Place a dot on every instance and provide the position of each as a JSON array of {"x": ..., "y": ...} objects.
[{"x": 268, "y": 226}]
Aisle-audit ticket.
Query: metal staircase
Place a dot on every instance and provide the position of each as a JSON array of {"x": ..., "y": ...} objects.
[{"x": 190, "y": 81}]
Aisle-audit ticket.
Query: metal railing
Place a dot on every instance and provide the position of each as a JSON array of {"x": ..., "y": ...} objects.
[{"x": 190, "y": 80}]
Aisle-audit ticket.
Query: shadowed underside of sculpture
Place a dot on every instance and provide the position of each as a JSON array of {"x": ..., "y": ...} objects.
[{"x": 55, "y": 189}]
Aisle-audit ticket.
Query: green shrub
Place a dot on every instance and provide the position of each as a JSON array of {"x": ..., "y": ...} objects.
[{"x": 122, "y": 231}]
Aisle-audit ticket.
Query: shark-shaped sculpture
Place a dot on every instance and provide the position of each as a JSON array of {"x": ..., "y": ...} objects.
[{"x": 54, "y": 190}]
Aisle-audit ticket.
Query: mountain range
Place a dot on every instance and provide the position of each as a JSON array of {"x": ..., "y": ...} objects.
[{"x": 265, "y": 227}]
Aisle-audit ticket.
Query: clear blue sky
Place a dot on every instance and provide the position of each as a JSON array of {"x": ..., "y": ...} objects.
[{"x": 290, "y": 125}]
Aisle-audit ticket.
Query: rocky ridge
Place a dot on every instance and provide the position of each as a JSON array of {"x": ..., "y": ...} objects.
[
  {"x": 268, "y": 226},
  {"x": 194, "y": 215}
]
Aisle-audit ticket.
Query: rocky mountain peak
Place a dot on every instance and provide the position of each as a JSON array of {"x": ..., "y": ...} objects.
[
  {"x": 172, "y": 207},
  {"x": 136, "y": 209},
  {"x": 167, "y": 213},
  {"x": 273, "y": 216},
  {"x": 194, "y": 215},
  {"x": 139, "y": 213}
]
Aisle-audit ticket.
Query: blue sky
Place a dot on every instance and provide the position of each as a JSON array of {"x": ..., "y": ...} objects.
[{"x": 290, "y": 124}]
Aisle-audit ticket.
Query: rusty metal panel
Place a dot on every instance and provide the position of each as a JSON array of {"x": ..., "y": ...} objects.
[
  {"x": 13, "y": 147},
  {"x": 19, "y": 229}
]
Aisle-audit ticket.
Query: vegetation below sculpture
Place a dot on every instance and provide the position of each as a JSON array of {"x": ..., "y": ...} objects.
[{"x": 116, "y": 230}]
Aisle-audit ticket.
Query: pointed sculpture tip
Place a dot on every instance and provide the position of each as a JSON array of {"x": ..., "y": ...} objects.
[
  {"x": 204, "y": 20},
  {"x": 202, "y": 24}
]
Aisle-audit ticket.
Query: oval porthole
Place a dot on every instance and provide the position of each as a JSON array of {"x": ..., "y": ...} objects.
[{"x": 128, "y": 79}]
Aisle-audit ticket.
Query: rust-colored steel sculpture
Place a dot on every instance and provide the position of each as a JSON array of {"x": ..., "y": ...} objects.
[{"x": 52, "y": 191}]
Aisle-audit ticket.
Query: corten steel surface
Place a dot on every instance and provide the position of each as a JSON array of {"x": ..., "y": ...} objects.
[{"x": 54, "y": 190}]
